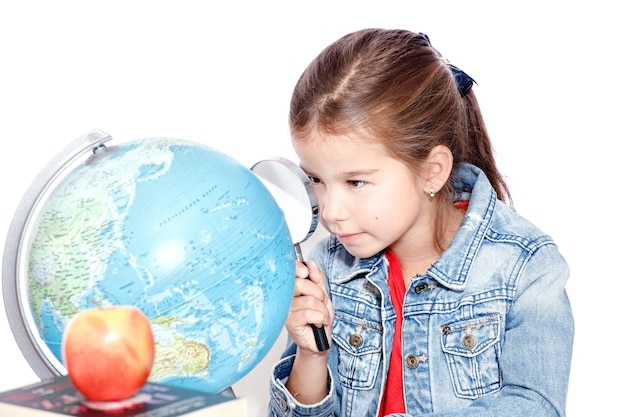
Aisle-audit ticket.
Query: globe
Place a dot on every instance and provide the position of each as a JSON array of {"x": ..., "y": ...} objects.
[{"x": 178, "y": 229}]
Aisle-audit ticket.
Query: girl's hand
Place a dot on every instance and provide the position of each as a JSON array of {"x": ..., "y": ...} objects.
[{"x": 310, "y": 305}]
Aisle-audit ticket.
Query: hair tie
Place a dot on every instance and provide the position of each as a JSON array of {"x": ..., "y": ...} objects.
[{"x": 463, "y": 81}]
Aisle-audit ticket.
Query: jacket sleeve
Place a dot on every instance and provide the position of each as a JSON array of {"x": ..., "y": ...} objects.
[{"x": 282, "y": 403}]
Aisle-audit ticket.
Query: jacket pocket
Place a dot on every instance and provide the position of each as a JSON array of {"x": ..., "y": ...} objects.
[
  {"x": 472, "y": 350},
  {"x": 359, "y": 350}
]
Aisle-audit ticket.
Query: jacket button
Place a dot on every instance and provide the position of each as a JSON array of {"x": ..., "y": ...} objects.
[
  {"x": 446, "y": 330},
  {"x": 469, "y": 341},
  {"x": 356, "y": 340},
  {"x": 420, "y": 288},
  {"x": 412, "y": 361}
]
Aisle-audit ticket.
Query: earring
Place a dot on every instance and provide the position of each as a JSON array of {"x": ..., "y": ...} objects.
[{"x": 431, "y": 193}]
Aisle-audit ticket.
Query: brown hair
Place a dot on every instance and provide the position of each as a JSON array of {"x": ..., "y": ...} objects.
[{"x": 395, "y": 86}]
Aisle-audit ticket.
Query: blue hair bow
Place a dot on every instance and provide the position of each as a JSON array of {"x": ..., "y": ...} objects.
[{"x": 463, "y": 81}]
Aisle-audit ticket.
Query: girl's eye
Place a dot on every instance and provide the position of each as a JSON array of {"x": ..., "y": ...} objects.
[
  {"x": 314, "y": 180},
  {"x": 356, "y": 183}
]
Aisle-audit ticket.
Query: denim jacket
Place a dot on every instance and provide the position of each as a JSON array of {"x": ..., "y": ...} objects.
[{"x": 487, "y": 331}]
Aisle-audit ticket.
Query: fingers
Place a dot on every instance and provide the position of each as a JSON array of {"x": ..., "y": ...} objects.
[
  {"x": 301, "y": 270},
  {"x": 308, "y": 310},
  {"x": 315, "y": 274},
  {"x": 310, "y": 282},
  {"x": 310, "y": 306},
  {"x": 309, "y": 296}
]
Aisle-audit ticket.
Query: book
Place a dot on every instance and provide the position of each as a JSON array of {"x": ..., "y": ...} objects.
[{"x": 57, "y": 396}]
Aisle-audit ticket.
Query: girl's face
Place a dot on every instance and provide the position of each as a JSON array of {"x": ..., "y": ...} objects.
[{"x": 368, "y": 199}]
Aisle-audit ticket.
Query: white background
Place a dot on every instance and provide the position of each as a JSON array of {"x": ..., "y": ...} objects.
[{"x": 550, "y": 79}]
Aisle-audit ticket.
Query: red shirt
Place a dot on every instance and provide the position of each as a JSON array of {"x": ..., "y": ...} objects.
[{"x": 393, "y": 397}]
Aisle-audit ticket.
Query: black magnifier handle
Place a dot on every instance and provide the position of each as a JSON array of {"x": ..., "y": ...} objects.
[{"x": 321, "y": 340}]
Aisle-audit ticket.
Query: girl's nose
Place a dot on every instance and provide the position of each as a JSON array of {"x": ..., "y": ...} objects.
[{"x": 333, "y": 207}]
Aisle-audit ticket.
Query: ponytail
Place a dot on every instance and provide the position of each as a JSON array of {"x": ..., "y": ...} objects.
[{"x": 479, "y": 150}]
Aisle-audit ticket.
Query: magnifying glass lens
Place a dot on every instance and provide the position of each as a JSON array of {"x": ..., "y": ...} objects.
[{"x": 294, "y": 194}]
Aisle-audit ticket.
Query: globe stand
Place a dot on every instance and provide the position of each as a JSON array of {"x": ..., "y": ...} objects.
[{"x": 43, "y": 363}]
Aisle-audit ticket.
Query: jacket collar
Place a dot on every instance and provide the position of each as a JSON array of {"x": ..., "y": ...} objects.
[{"x": 453, "y": 267}]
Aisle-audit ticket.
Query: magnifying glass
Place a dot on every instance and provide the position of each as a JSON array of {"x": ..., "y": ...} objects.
[{"x": 294, "y": 193}]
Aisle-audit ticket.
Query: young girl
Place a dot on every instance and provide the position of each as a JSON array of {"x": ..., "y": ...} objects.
[{"x": 437, "y": 297}]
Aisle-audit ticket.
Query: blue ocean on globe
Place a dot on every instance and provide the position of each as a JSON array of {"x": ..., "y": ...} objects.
[{"x": 180, "y": 230}]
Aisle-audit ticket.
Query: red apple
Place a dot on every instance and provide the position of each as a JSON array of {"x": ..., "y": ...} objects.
[{"x": 108, "y": 352}]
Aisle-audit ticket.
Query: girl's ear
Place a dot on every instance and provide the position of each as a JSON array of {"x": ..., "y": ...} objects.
[{"x": 437, "y": 168}]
